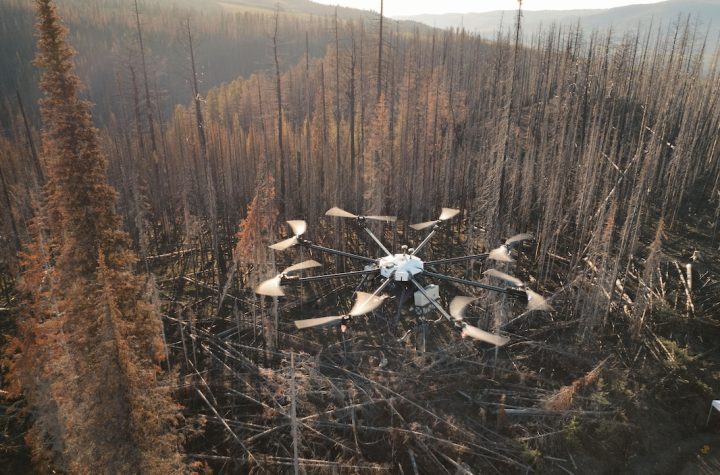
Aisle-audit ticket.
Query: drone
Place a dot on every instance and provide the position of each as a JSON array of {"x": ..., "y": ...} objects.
[{"x": 403, "y": 271}]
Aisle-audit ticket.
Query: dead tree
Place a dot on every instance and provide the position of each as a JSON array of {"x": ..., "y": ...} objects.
[{"x": 148, "y": 103}]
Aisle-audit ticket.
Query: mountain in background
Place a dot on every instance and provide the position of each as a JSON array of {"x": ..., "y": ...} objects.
[
  {"x": 233, "y": 38},
  {"x": 298, "y": 7},
  {"x": 704, "y": 14}
]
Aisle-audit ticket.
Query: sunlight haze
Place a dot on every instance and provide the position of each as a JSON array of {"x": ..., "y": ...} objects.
[{"x": 418, "y": 7}]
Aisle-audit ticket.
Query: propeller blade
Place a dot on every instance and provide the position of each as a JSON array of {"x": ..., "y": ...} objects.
[
  {"x": 301, "y": 265},
  {"x": 318, "y": 322},
  {"x": 270, "y": 287},
  {"x": 421, "y": 226},
  {"x": 482, "y": 335},
  {"x": 390, "y": 219},
  {"x": 365, "y": 303},
  {"x": 500, "y": 254},
  {"x": 518, "y": 238},
  {"x": 282, "y": 245},
  {"x": 537, "y": 301},
  {"x": 458, "y": 305},
  {"x": 514, "y": 281},
  {"x": 298, "y": 226},
  {"x": 341, "y": 213},
  {"x": 448, "y": 213}
]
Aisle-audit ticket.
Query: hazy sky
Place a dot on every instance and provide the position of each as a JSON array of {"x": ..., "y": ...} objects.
[{"x": 416, "y": 7}]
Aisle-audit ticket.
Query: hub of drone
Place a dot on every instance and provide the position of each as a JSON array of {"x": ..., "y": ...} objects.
[{"x": 400, "y": 267}]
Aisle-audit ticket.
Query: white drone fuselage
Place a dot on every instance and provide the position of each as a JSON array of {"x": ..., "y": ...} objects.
[{"x": 400, "y": 267}]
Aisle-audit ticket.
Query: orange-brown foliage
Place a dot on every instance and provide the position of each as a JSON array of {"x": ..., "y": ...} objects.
[{"x": 87, "y": 358}]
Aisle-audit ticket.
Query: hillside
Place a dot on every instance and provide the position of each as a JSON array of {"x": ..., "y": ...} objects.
[
  {"x": 232, "y": 39},
  {"x": 703, "y": 14},
  {"x": 295, "y": 7}
]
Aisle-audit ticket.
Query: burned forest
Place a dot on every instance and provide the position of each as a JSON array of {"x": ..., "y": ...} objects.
[{"x": 214, "y": 217}]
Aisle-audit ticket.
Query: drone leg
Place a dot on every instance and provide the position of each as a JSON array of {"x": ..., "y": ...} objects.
[
  {"x": 420, "y": 330},
  {"x": 400, "y": 304},
  {"x": 423, "y": 322}
]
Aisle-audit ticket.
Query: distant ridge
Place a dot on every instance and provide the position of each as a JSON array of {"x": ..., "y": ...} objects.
[
  {"x": 703, "y": 14},
  {"x": 301, "y": 7}
]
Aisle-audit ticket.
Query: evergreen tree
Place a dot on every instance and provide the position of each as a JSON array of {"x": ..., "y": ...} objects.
[{"x": 87, "y": 359}]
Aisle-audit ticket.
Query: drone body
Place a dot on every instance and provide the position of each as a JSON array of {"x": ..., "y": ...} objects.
[
  {"x": 400, "y": 267},
  {"x": 402, "y": 271}
]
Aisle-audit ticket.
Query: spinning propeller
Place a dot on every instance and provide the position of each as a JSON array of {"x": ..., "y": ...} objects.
[
  {"x": 446, "y": 214},
  {"x": 298, "y": 228},
  {"x": 341, "y": 213},
  {"x": 457, "y": 311},
  {"x": 273, "y": 287},
  {"x": 535, "y": 300},
  {"x": 502, "y": 253},
  {"x": 401, "y": 270},
  {"x": 364, "y": 303}
]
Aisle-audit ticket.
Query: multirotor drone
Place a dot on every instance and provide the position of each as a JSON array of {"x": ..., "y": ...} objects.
[{"x": 403, "y": 272}]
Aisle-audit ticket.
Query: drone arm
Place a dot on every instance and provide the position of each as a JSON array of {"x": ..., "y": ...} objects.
[
  {"x": 425, "y": 241},
  {"x": 434, "y": 302},
  {"x": 362, "y": 282},
  {"x": 377, "y": 240},
  {"x": 356, "y": 273},
  {"x": 457, "y": 259},
  {"x": 512, "y": 292},
  {"x": 310, "y": 245},
  {"x": 380, "y": 289}
]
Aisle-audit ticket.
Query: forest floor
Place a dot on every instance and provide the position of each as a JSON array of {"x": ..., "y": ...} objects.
[
  {"x": 408, "y": 395},
  {"x": 673, "y": 432},
  {"x": 404, "y": 394}
]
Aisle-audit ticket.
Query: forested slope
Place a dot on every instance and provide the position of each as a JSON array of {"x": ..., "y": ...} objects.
[{"x": 231, "y": 41}]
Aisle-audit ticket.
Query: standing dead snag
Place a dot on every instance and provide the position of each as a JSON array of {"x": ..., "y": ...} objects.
[
  {"x": 87, "y": 359},
  {"x": 376, "y": 174},
  {"x": 380, "y": 54},
  {"x": 148, "y": 102},
  {"x": 209, "y": 169},
  {"x": 278, "y": 97},
  {"x": 293, "y": 415},
  {"x": 7, "y": 202}
]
